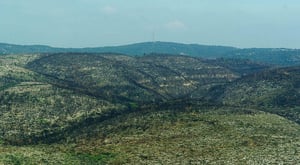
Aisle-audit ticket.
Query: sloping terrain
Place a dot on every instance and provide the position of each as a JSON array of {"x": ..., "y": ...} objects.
[
  {"x": 43, "y": 97},
  {"x": 241, "y": 67},
  {"x": 80, "y": 108},
  {"x": 275, "y": 90},
  {"x": 273, "y": 56},
  {"x": 32, "y": 109},
  {"x": 200, "y": 136},
  {"x": 137, "y": 49},
  {"x": 27, "y": 49},
  {"x": 182, "y": 136},
  {"x": 125, "y": 78}
]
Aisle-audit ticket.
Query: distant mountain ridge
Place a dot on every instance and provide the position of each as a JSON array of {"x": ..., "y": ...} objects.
[
  {"x": 132, "y": 49},
  {"x": 275, "y": 56}
]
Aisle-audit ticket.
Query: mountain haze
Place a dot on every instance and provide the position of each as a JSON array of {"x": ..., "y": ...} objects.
[{"x": 274, "y": 56}]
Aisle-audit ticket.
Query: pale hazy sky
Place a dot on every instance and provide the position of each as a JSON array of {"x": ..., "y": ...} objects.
[{"x": 89, "y": 23}]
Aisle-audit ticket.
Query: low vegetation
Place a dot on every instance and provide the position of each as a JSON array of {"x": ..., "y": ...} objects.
[
  {"x": 203, "y": 136},
  {"x": 78, "y": 108}
]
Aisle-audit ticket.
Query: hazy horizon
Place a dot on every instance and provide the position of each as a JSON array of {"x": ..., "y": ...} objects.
[{"x": 97, "y": 23}]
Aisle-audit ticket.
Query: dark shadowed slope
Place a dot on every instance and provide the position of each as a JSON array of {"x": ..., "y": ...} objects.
[
  {"x": 59, "y": 92},
  {"x": 240, "y": 66},
  {"x": 143, "y": 79},
  {"x": 43, "y": 97},
  {"x": 275, "y": 90},
  {"x": 114, "y": 109}
]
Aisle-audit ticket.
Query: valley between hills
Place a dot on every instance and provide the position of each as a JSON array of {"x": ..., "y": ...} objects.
[{"x": 111, "y": 108}]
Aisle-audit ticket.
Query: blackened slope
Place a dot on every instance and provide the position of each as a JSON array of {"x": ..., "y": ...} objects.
[
  {"x": 94, "y": 75},
  {"x": 240, "y": 66},
  {"x": 279, "y": 87},
  {"x": 184, "y": 76},
  {"x": 124, "y": 78},
  {"x": 275, "y": 90},
  {"x": 33, "y": 110}
]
